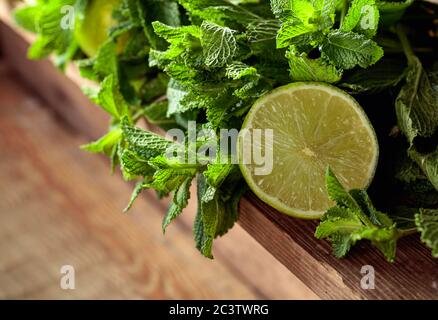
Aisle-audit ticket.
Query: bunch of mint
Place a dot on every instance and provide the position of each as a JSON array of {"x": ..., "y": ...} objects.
[{"x": 176, "y": 61}]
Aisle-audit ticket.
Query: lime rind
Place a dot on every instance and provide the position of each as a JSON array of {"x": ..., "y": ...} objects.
[{"x": 271, "y": 199}]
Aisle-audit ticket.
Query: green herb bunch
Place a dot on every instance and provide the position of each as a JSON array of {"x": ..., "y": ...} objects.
[{"x": 172, "y": 62}]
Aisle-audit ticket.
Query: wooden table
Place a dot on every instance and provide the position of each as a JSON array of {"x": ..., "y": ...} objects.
[{"x": 414, "y": 275}]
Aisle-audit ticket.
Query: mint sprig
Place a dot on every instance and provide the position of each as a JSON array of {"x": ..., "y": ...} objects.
[{"x": 354, "y": 218}]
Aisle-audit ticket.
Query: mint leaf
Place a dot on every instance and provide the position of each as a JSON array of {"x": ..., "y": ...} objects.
[
  {"x": 110, "y": 98},
  {"x": 219, "y": 11},
  {"x": 337, "y": 192},
  {"x": 179, "y": 202},
  {"x": 106, "y": 143},
  {"x": 303, "y": 21},
  {"x": 54, "y": 35},
  {"x": 303, "y": 68},
  {"x": 217, "y": 212},
  {"x": 137, "y": 190},
  {"x": 348, "y": 49},
  {"x": 105, "y": 62},
  {"x": 238, "y": 70},
  {"x": 362, "y": 17},
  {"x": 417, "y": 114},
  {"x": 354, "y": 218},
  {"x": 170, "y": 175},
  {"x": 295, "y": 32},
  {"x": 428, "y": 164},
  {"x": 147, "y": 144},
  {"x": 216, "y": 173},
  {"x": 416, "y": 103},
  {"x": 384, "y": 75},
  {"x": 427, "y": 223},
  {"x": 218, "y": 43},
  {"x": 133, "y": 165}
]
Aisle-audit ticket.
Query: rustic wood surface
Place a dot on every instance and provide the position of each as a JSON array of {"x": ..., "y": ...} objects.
[{"x": 413, "y": 275}]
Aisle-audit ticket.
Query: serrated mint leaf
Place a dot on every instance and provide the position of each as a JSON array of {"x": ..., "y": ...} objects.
[
  {"x": 262, "y": 31},
  {"x": 217, "y": 209},
  {"x": 338, "y": 220},
  {"x": 147, "y": 144},
  {"x": 110, "y": 98},
  {"x": 53, "y": 33},
  {"x": 133, "y": 165},
  {"x": 342, "y": 244},
  {"x": 303, "y": 21},
  {"x": 385, "y": 74},
  {"x": 303, "y": 68},
  {"x": 216, "y": 173},
  {"x": 417, "y": 112},
  {"x": 179, "y": 202},
  {"x": 175, "y": 35},
  {"x": 105, "y": 62},
  {"x": 175, "y": 95},
  {"x": 218, "y": 43},
  {"x": 364, "y": 202},
  {"x": 137, "y": 190},
  {"x": 294, "y": 32},
  {"x": 238, "y": 70},
  {"x": 362, "y": 17},
  {"x": 106, "y": 143},
  {"x": 348, "y": 49},
  {"x": 337, "y": 192},
  {"x": 428, "y": 164},
  {"x": 167, "y": 180},
  {"x": 278, "y": 7},
  {"x": 219, "y": 11},
  {"x": 354, "y": 218},
  {"x": 427, "y": 223},
  {"x": 416, "y": 103}
]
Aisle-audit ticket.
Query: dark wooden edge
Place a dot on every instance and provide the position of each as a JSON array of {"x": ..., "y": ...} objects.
[{"x": 414, "y": 275}]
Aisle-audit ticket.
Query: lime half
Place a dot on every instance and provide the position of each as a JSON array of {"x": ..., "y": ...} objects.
[{"x": 290, "y": 137}]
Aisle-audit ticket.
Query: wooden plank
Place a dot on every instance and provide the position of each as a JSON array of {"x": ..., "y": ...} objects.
[{"x": 414, "y": 275}]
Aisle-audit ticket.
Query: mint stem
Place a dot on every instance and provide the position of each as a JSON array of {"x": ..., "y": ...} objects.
[
  {"x": 407, "y": 48},
  {"x": 344, "y": 11}
]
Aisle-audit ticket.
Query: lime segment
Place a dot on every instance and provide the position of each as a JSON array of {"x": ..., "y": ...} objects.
[{"x": 314, "y": 126}]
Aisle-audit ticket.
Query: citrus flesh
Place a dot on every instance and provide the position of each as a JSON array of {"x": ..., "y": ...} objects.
[{"x": 314, "y": 126}]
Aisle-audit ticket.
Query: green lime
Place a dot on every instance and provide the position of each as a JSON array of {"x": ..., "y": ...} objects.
[
  {"x": 92, "y": 30},
  {"x": 313, "y": 126}
]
